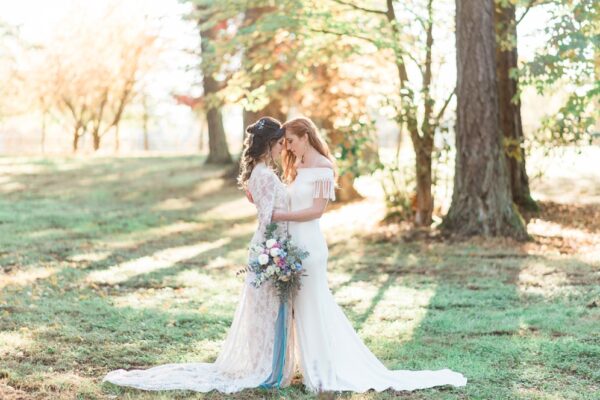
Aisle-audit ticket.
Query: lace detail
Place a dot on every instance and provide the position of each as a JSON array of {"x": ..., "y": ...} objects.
[
  {"x": 269, "y": 194},
  {"x": 245, "y": 360}
]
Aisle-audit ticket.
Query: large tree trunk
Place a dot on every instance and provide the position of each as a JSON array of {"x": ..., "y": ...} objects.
[
  {"x": 218, "y": 151},
  {"x": 510, "y": 106},
  {"x": 482, "y": 200}
]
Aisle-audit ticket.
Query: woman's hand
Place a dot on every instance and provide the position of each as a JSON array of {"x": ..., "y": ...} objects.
[{"x": 249, "y": 196}]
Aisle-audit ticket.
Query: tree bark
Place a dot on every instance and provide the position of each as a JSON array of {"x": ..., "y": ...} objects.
[
  {"x": 482, "y": 200},
  {"x": 510, "y": 106},
  {"x": 424, "y": 200},
  {"x": 218, "y": 151}
]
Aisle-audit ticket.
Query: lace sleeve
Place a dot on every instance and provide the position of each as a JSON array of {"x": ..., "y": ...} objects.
[
  {"x": 262, "y": 188},
  {"x": 325, "y": 188}
]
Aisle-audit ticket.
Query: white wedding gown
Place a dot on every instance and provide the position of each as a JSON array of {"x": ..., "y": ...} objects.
[
  {"x": 246, "y": 357},
  {"x": 332, "y": 356}
]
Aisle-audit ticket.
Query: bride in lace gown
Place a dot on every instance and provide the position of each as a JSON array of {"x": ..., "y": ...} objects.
[
  {"x": 332, "y": 356},
  {"x": 247, "y": 357}
]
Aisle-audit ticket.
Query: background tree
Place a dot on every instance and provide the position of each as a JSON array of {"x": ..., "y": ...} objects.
[
  {"x": 505, "y": 18},
  {"x": 391, "y": 29},
  {"x": 89, "y": 75},
  {"x": 210, "y": 28},
  {"x": 568, "y": 61},
  {"x": 9, "y": 77},
  {"x": 481, "y": 201}
]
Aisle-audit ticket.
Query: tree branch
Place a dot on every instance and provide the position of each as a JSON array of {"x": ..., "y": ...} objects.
[
  {"x": 366, "y": 38},
  {"x": 440, "y": 114},
  {"x": 356, "y": 7},
  {"x": 527, "y": 8}
]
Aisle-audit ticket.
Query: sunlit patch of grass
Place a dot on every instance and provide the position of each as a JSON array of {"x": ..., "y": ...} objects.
[
  {"x": 539, "y": 278},
  {"x": 159, "y": 260},
  {"x": 14, "y": 342},
  {"x": 398, "y": 314},
  {"x": 174, "y": 204},
  {"x": 21, "y": 278}
]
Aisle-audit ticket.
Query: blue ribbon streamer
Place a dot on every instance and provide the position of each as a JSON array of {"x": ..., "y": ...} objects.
[{"x": 279, "y": 348}]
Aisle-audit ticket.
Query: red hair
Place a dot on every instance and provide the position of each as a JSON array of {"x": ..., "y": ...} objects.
[{"x": 300, "y": 127}]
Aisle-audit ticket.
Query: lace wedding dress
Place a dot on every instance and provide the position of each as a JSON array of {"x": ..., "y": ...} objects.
[
  {"x": 247, "y": 356},
  {"x": 332, "y": 356}
]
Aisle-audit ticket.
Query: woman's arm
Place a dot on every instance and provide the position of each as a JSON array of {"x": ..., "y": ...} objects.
[{"x": 308, "y": 214}]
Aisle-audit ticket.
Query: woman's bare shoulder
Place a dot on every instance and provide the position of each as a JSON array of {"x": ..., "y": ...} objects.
[{"x": 323, "y": 162}]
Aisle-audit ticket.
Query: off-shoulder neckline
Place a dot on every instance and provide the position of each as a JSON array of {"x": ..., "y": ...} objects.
[{"x": 299, "y": 169}]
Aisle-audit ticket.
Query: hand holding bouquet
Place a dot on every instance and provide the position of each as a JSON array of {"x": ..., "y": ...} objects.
[{"x": 278, "y": 260}]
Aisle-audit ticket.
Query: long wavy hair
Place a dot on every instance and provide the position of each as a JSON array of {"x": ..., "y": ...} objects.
[
  {"x": 259, "y": 140},
  {"x": 300, "y": 127}
]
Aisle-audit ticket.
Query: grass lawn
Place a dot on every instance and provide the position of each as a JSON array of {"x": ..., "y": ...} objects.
[{"x": 112, "y": 263}]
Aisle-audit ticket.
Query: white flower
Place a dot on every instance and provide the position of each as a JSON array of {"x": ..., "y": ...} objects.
[
  {"x": 263, "y": 259},
  {"x": 274, "y": 252},
  {"x": 271, "y": 242},
  {"x": 271, "y": 270}
]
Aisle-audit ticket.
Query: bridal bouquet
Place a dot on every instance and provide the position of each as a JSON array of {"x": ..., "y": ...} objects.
[{"x": 278, "y": 260}]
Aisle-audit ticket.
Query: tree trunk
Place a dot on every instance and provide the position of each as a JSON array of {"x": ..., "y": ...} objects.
[
  {"x": 510, "y": 106},
  {"x": 482, "y": 200},
  {"x": 422, "y": 145},
  {"x": 76, "y": 137},
  {"x": 117, "y": 138},
  {"x": 424, "y": 206},
  {"x": 96, "y": 141},
  {"x": 201, "y": 136},
  {"x": 218, "y": 151}
]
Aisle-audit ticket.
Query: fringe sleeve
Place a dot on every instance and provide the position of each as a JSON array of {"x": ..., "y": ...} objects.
[{"x": 324, "y": 188}]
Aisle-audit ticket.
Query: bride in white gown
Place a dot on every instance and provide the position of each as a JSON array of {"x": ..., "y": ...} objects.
[
  {"x": 247, "y": 357},
  {"x": 332, "y": 356}
]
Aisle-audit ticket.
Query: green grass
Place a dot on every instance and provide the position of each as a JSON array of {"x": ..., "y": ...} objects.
[{"x": 112, "y": 263}]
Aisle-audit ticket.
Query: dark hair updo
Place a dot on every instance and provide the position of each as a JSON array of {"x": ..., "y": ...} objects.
[{"x": 260, "y": 136}]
